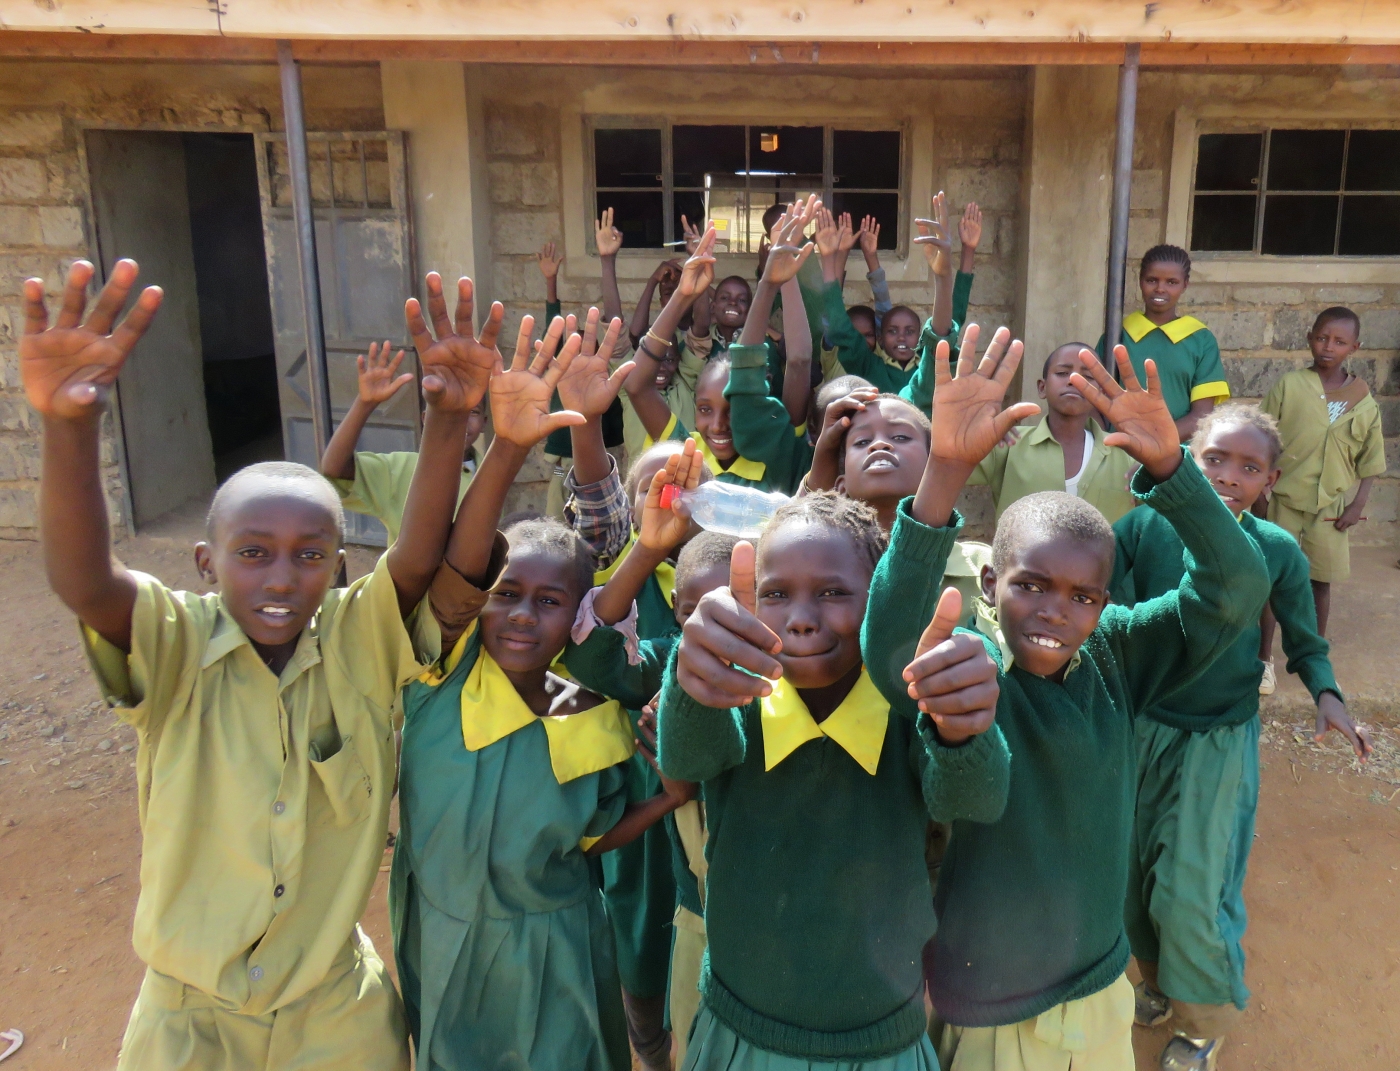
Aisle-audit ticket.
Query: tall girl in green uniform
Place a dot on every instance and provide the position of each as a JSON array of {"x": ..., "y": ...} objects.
[
  {"x": 1186, "y": 353},
  {"x": 510, "y": 776}
]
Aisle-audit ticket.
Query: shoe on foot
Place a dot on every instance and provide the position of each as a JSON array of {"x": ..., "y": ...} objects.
[
  {"x": 1191, "y": 1054},
  {"x": 1267, "y": 682},
  {"x": 1151, "y": 1007}
]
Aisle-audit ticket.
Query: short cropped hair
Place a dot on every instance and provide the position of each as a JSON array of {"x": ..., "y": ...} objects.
[
  {"x": 1239, "y": 415},
  {"x": 1166, "y": 254},
  {"x": 831, "y": 510},
  {"x": 1338, "y": 312},
  {"x": 556, "y": 539},
  {"x": 1045, "y": 368},
  {"x": 900, "y": 308},
  {"x": 707, "y": 550},
  {"x": 665, "y": 448},
  {"x": 735, "y": 279},
  {"x": 862, "y": 310},
  {"x": 1054, "y": 514},
  {"x": 286, "y": 471}
]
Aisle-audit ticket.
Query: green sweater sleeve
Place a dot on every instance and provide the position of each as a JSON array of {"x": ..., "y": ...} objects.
[
  {"x": 1126, "y": 535},
  {"x": 1163, "y": 643},
  {"x": 1293, "y": 606},
  {"x": 760, "y": 424},
  {"x": 962, "y": 294},
  {"x": 855, "y": 356},
  {"x": 919, "y": 389},
  {"x": 600, "y": 664},
  {"x": 695, "y": 742}
]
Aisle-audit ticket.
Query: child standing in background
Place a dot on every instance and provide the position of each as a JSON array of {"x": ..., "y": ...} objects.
[
  {"x": 1332, "y": 441},
  {"x": 1186, "y": 353}
]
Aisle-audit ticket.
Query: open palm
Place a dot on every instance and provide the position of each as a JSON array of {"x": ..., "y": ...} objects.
[
  {"x": 457, "y": 365},
  {"x": 378, "y": 379},
  {"x": 590, "y": 386},
  {"x": 66, "y": 367},
  {"x": 968, "y": 420},
  {"x": 664, "y": 527},
  {"x": 1142, "y": 423},
  {"x": 520, "y": 395}
]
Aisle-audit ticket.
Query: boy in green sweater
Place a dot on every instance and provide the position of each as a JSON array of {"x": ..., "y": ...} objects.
[
  {"x": 1198, "y": 754},
  {"x": 1027, "y": 969}
]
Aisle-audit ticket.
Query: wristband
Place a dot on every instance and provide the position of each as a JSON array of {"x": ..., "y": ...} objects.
[{"x": 661, "y": 341}]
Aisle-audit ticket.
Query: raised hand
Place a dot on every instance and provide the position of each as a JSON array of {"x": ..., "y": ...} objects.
[
  {"x": 970, "y": 226},
  {"x": 663, "y": 528},
  {"x": 608, "y": 237},
  {"x": 67, "y": 368},
  {"x": 457, "y": 365},
  {"x": 785, "y": 256},
  {"x": 698, "y": 272},
  {"x": 587, "y": 386},
  {"x": 1332, "y": 714},
  {"x": 520, "y": 396},
  {"x": 724, "y": 635},
  {"x": 836, "y": 422},
  {"x": 968, "y": 420},
  {"x": 1142, "y": 423},
  {"x": 827, "y": 235},
  {"x": 934, "y": 236},
  {"x": 953, "y": 677},
  {"x": 845, "y": 235},
  {"x": 549, "y": 259},
  {"x": 869, "y": 236},
  {"x": 377, "y": 380},
  {"x": 692, "y": 234}
]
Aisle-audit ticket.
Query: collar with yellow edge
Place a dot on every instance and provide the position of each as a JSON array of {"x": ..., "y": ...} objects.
[
  {"x": 989, "y": 626},
  {"x": 858, "y": 724},
  {"x": 579, "y": 744},
  {"x": 1139, "y": 327},
  {"x": 665, "y": 573},
  {"x": 741, "y": 467}
]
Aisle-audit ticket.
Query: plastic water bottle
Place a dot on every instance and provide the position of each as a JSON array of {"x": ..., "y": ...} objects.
[{"x": 727, "y": 508}]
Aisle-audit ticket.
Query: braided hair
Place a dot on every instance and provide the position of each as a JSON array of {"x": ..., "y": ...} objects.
[
  {"x": 1167, "y": 254},
  {"x": 1239, "y": 415},
  {"x": 558, "y": 540}
]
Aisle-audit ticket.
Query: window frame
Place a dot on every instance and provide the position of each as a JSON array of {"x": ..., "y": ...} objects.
[
  {"x": 1266, "y": 128},
  {"x": 665, "y": 124}
]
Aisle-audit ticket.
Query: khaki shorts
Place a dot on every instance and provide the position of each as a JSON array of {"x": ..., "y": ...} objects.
[
  {"x": 354, "y": 1019},
  {"x": 1328, "y": 550}
]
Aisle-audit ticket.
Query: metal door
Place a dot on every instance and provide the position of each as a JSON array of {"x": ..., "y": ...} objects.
[{"x": 359, "y": 194}]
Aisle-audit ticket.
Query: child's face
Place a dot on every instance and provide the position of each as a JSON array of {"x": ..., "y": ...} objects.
[
  {"x": 274, "y": 555},
  {"x": 697, "y": 585},
  {"x": 1332, "y": 342},
  {"x": 900, "y": 335},
  {"x": 476, "y": 420},
  {"x": 712, "y": 412},
  {"x": 666, "y": 367},
  {"x": 886, "y": 452},
  {"x": 812, "y": 589},
  {"x": 1059, "y": 393},
  {"x": 1162, "y": 284},
  {"x": 530, "y": 611},
  {"x": 865, "y": 325},
  {"x": 1048, "y": 600},
  {"x": 731, "y": 304},
  {"x": 1237, "y": 460}
]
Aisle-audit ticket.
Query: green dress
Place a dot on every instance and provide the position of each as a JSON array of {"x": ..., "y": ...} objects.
[{"x": 504, "y": 949}]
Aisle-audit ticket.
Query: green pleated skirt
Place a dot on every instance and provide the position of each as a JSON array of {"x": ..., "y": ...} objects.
[{"x": 714, "y": 1047}]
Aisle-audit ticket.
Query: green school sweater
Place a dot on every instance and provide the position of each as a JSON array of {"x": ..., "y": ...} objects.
[
  {"x": 818, "y": 902},
  {"x": 1151, "y": 562},
  {"x": 760, "y": 423},
  {"x": 1030, "y": 899},
  {"x": 600, "y": 664}
]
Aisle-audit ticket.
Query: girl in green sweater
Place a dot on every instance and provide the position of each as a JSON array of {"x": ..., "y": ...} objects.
[{"x": 1027, "y": 970}]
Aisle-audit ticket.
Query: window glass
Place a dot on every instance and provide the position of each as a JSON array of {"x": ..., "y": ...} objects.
[
  {"x": 1306, "y": 159},
  {"x": 701, "y": 151},
  {"x": 1299, "y": 225},
  {"x": 627, "y": 158},
  {"x": 637, "y": 214},
  {"x": 1229, "y": 162},
  {"x": 865, "y": 159},
  {"x": 883, "y": 206},
  {"x": 1370, "y": 226},
  {"x": 790, "y": 151},
  {"x": 1373, "y": 160},
  {"x": 1223, "y": 222}
]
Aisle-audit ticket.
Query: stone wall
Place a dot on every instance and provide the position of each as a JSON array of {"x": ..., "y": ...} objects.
[
  {"x": 1262, "y": 326},
  {"x": 44, "y": 222}
]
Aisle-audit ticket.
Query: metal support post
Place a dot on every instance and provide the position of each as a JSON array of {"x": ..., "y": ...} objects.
[{"x": 1122, "y": 194}]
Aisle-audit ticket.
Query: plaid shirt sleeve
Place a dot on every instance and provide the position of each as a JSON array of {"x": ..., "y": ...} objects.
[{"x": 600, "y": 513}]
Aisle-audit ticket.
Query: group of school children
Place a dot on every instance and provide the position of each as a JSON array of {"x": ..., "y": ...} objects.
[{"x": 665, "y": 792}]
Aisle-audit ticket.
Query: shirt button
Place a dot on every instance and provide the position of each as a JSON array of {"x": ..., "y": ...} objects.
[
  {"x": 278, "y": 807},
  {"x": 256, "y": 974},
  {"x": 279, "y": 890}
]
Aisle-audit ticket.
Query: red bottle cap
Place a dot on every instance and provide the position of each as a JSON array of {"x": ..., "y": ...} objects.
[{"x": 669, "y": 494}]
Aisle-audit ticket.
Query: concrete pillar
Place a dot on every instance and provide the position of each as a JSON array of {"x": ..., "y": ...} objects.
[
  {"x": 439, "y": 105},
  {"x": 1067, "y": 189}
]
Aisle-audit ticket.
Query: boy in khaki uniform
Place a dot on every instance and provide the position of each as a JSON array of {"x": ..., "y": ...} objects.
[
  {"x": 1332, "y": 441},
  {"x": 265, "y": 714}
]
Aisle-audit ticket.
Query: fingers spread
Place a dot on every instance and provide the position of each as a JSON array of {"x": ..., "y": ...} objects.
[
  {"x": 36, "y": 311},
  {"x": 110, "y": 300},
  {"x": 134, "y": 325},
  {"x": 417, "y": 326},
  {"x": 491, "y": 330},
  {"x": 465, "y": 308},
  {"x": 437, "y": 305}
]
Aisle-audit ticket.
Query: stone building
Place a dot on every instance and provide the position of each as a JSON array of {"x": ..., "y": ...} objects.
[{"x": 162, "y": 140}]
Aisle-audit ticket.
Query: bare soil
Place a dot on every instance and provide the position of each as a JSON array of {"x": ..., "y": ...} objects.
[{"x": 1323, "y": 890}]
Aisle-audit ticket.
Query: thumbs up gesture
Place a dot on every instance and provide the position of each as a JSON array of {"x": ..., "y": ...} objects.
[
  {"x": 723, "y": 636},
  {"x": 952, "y": 676}
]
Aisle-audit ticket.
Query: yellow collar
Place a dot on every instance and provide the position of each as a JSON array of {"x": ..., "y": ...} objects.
[
  {"x": 665, "y": 573},
  {"x": 989, "y": 626},
  {"x": 1139, "y": 327},
  {"x": 858, "y": 724},
  {"x": 492, "y": 709},
  {"x": 740, "y": 466}
]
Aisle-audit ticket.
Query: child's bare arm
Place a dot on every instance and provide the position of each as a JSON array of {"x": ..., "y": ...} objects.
[
  {"x": 609, "y": 240},
  {"x": 1354, "y": 514},
  {"x": 549, "y": 261},
  {"x": 935, "y": 238},
  {"x": 970, "y": 233},
  {"x": 968, "y": 420},
  {"x": 378, "y": 382},
  {"x": 67, "y": 368},
  {"x": 785, "y": 259},
  {"x": 641, "y": 315}
]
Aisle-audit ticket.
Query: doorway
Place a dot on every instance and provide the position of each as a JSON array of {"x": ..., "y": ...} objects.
[{"x": 199, "y": 394}]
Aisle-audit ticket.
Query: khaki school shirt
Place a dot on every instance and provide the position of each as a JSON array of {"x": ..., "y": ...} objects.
[
  {"x": 381, "y": 483},
  {"x": 263, "y": 802},
  {"x": 1322, "y": 459},
  {"x": 1037, "y": 463}
]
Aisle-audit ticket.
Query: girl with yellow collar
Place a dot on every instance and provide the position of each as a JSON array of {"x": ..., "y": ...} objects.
[{"x": 510, "y": 777}]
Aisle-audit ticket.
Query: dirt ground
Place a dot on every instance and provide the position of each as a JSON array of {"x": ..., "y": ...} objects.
[{"x": 1323, "y": 890}]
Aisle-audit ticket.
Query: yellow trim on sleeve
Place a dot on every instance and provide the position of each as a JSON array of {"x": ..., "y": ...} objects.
[
  {"x": 584, "y": 843},
  {"x": 1215, "y": 389},
  {"x": 667, "y": 433},
  {"x": 665, "y": 573},
  {"x": 858, "y": 724}
]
